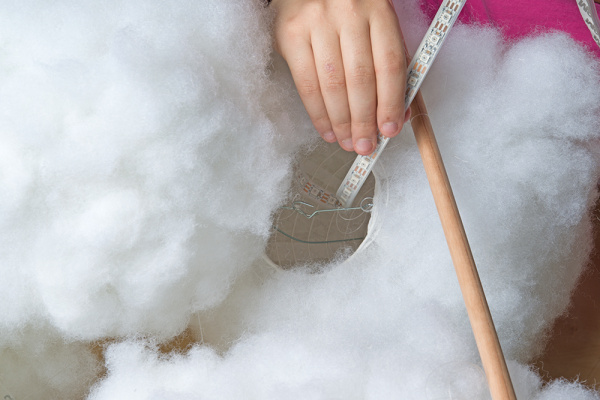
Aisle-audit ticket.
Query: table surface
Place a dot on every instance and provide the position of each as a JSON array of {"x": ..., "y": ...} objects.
[{"x": 573, "y": 351}]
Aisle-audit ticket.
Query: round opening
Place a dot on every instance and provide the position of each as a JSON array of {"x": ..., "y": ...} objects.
[{"x": 312, "y": 227}]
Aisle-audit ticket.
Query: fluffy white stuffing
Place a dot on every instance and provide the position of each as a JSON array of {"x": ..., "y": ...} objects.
[
  {"x": 141, "y": 155},
  {"x": 519, "y": 136},
  {"x": 143, "y": 148},
  {"x": 137, "y": 163}
]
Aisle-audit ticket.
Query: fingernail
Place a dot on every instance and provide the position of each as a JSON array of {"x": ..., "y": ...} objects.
[
  {"x": 329, "y": 136},
  {"x": 407, "y": 115},
  {"x": 389, "y": 128},
  {"x": 364, "y": 146},
  {"x": 347, "y": 144}
]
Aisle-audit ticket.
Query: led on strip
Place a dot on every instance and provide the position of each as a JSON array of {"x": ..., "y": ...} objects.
[
  {"x": 417, "y": 70},
  {"x": 316, "y": 192}
]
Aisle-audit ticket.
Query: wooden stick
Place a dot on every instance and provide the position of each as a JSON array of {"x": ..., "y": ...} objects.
[{"x": 479, "y": 314}]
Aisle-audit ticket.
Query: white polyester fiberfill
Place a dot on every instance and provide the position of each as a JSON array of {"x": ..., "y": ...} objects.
[{"x": 145, "y": 147}]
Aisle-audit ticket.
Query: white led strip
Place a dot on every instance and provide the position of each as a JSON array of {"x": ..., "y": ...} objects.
[
  {"x": 315, "y": 191},
  {"x": 426, "y": 53},
  {"x": 590, "y": 16}
]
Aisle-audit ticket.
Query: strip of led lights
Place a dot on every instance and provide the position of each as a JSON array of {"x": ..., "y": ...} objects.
[
  {"x": 426, "y": 53},
  {"x": 590, "y": 16}
]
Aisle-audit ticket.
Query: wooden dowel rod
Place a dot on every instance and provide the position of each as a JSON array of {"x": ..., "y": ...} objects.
[{"x": 485, "y": 334}]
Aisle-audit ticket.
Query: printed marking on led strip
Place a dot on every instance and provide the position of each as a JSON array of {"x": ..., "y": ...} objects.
[{"x": 426, "y": 53}]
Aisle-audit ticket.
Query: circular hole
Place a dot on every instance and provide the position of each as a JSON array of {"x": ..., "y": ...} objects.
[{"x": 313, "y": 227}]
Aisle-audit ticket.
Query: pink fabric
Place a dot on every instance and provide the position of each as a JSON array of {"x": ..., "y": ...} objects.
[{"x": 519, "y": 18}]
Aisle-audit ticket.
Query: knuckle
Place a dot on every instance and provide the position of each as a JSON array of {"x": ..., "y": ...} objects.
[
  {"x": 289, "y": 27},
  {"x": 321, "y": 120},
  {"x": 313, "y": 10},
  {"x": 390, "y": 110},
  {"x": 362, "y": 76},
  {"x": 308, "y": 88},
  {"x": 364, "y": 128},
  {"x": 334, "y": 84},
  {"x": 383, "y": 8},
  {"x": 342, "y": 129},
  {"x": 391, "y": 63}
]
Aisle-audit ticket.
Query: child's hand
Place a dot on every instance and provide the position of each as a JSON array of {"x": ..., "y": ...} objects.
[{"x": 347, "y": 60}]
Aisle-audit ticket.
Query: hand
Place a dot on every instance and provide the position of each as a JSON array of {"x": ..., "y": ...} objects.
[{"x": 348, "y": 64}]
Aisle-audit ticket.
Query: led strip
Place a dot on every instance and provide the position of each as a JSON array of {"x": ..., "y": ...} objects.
[
  {"x": 426, "y": 53},
  {"x": 316, "y": 192},
  {"x": 590, "y": 16}
]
